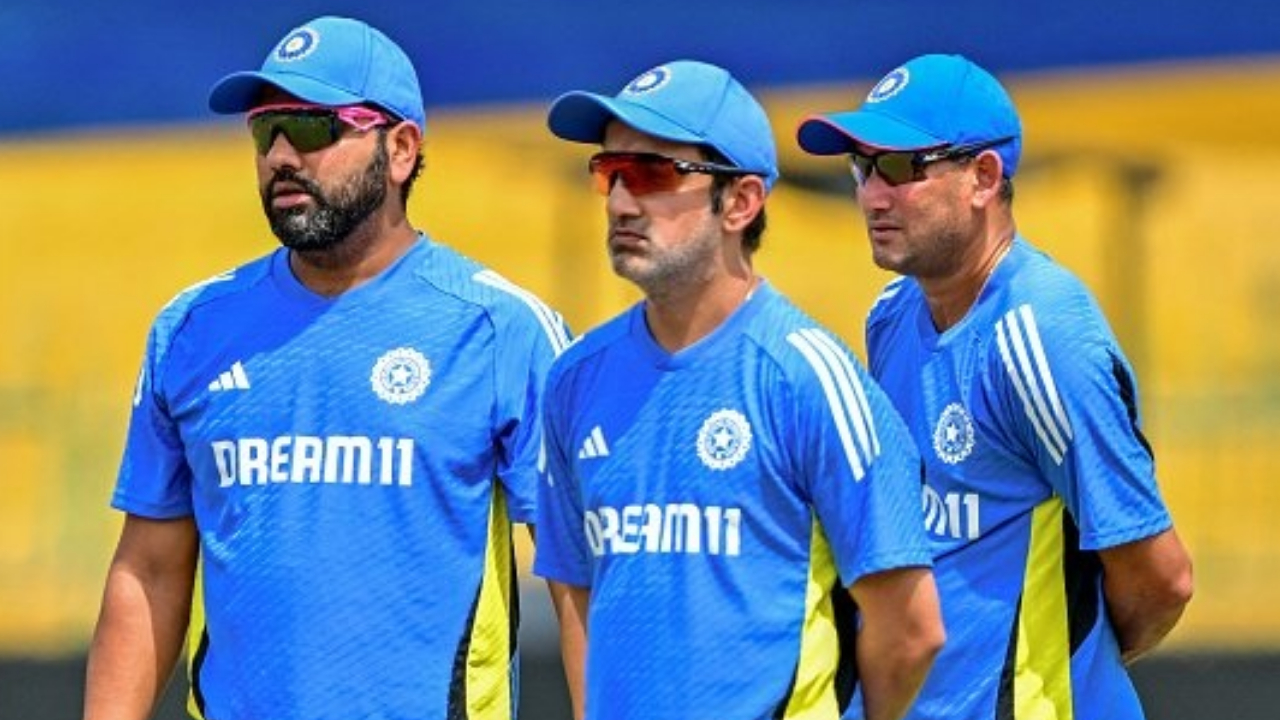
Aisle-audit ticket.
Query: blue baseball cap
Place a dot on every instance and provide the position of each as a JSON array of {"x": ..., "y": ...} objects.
[
  {"x": 682, "y": 101},
  {"x": 932, "y": 101},
  {"x": 329, "y": 61}
]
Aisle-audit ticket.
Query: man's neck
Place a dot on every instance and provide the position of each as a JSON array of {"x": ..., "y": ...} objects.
[
  {"x": 679, "y": 319},
  {"x": 360, "y": 257},
  {"x": 951, "y": 297}
]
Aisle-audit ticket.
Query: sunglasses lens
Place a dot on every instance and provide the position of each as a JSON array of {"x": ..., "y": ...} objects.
[
  {"x": 602, "y": 169},
  {"x": 641, "y": 174},
  {"x": 895, "y": 168},
  {"x": 305, "y": 132}
]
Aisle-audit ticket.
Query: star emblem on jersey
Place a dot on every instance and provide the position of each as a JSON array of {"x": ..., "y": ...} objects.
[
  {"x": 401, "y": 376},
  {"x": 953, "y": 435},
  {"x": 724, "y": 439}
]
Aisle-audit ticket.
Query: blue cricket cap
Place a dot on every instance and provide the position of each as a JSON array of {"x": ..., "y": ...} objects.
[
  {"x": 330, "y": 61},
  {"x": 932, "y": 101},
  {"x": 682, "y": 101}
]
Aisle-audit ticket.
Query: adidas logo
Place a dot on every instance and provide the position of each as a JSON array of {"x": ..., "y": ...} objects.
[
  {"x": 233, "y": 379},
  {"x": 594, "y": 446}
]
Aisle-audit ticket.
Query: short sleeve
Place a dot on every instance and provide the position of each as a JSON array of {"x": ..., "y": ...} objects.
[{"x": 1073, "y": 400}]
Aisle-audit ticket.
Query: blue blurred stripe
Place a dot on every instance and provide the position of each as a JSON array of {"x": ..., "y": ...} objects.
[{"x": 69, "y": 63}]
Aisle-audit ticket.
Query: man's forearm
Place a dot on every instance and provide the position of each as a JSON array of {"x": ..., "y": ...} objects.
[{"x": 135, "y": 648}]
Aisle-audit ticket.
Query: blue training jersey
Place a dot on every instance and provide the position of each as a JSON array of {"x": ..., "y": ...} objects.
[
  {"x": 352, "y": 465},
  {"x": 718, "y": 501},
  {"x": 1026, "y": 414}
]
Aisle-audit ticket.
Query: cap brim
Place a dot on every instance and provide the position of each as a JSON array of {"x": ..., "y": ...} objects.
[
  {"x": 240, "y": 92},
  {"x": 583, "y": 117},
  {"x": 840, "y": 133}
]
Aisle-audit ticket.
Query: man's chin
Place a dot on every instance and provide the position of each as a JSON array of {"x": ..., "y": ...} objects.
[
  {"x": 309, "y": 245},
  {"x": 294, "y": 231},
  {"x": 885, "y": 259},
  {"x": 305, "y": 242}
]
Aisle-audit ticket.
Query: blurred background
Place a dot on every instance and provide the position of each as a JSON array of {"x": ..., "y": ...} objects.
[{"x": 1152, "y": 139}]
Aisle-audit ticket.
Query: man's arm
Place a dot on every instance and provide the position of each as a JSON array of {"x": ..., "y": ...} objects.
[
  {"x": 1147, "y": 584},
  {"x": 571, "y": 609},
  {"x": 900, "y": 634},
  {"x": 145, "y": 609}
]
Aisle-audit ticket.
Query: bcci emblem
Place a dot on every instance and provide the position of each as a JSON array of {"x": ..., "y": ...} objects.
[
  {"x": 889, "y": 85},
  {"x": 953, "y": 435},
  {"x": 300, "y": 43},
  {"x": 401, "y": 376},
  {"x": 648, "y": 82},
  {"x": 724, "y": 439}
]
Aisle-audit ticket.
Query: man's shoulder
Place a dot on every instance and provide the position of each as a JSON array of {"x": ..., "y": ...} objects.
[
  {"x": 595, "y": 340},
  {"x": 453, "y": 273},
  {"x": 896, "y": 296},
  {"x": 780, "y": 325},
  {"x": 1038, "y": 278},
  {"x": 1042, "y": 293},
  {"x": 506, "y": 302},
  {"x": 207, "y": 296},
  {"x": 803, "y": 349},
  {"x": 226, "y": 284}
]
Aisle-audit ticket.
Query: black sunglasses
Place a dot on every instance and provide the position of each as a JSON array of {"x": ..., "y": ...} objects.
[
  {"x": 309, "y": 127},
  {"x": 644, "y": 173},
  {"x": 898, "y": 167}
]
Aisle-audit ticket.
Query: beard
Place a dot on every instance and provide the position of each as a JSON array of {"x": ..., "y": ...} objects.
[
  {"x": 333, "y": 216},
  {"x": 932, "y": 253},
  {"x": 661, "y": 271}
]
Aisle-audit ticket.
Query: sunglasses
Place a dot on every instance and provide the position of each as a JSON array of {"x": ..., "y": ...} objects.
[
  {"x": 645, "y": 173},
  {"x": 901, "y": 167},
  {"x": 309, "y": 127}
]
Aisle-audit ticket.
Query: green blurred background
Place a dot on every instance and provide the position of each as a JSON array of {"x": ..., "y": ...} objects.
[{"x": 1151, "y": 147}]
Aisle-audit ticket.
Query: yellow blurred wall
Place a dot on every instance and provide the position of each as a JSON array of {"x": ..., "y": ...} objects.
[{"x": 1157, "y": 185}]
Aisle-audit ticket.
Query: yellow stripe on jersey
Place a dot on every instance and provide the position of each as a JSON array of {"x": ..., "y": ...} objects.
[
  {"x": 1042, "y": 674},
  {"x": 813, "y": 696},
  {"x": 195, "y": 641},
  {"x": 490, "y": 652}
]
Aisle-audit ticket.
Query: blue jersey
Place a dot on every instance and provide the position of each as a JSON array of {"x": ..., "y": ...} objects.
[
  {"x": 352, "y": 465},
  {"x": 717, "y": 501},
  {"x": 1026, "y": 415}
]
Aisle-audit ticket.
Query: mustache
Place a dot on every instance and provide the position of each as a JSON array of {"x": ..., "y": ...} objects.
[
  {"x": 630, "y": 225},
  {"x": 291, "y": 177}
]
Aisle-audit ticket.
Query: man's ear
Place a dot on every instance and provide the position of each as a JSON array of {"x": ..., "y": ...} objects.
[
  {"x": 988, "y": 174},
  {"x": 743, "y": 200},
  {"x": 404, "y": 142}
]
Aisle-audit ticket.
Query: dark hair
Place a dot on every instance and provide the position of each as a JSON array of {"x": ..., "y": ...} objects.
[
  {"x": 413, "y": 175},
  {"x": 754, "y": 232},
  {"x": 1006, "y": 190}
]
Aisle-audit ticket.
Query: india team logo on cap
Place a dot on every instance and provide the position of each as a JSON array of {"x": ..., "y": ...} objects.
[
  {"x": 401, "y": 376},
  {"x": 889, "y": 85},
  {"x": 648, "y": 82},
  {"x": 299, "y": 44},
  {"x": 724, "y": 439}
]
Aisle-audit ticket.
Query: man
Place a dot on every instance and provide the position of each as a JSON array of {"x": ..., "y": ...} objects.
[
  {"x": 721, "y": 468},
  {"x": 1056, "y": 558},
  {"x": 328, "y": 444}
]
